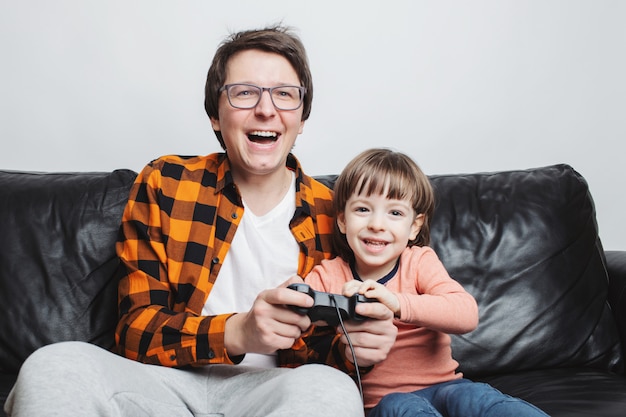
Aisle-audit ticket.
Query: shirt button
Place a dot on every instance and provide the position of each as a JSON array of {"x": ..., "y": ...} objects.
[
  {"x": 215, "y": 260},
  {"x": 234, "y": 215},
  {"x": 211, "y": 354}
]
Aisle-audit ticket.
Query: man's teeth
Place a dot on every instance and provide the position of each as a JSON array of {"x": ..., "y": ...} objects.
[{"x": 263, "y": 134}]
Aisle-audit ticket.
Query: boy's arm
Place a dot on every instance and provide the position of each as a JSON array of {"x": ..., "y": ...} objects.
[{"x": 436, "y": 301}]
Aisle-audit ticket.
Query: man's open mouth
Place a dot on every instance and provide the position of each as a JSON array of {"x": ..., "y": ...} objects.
[{"x": 261, "y": 136}]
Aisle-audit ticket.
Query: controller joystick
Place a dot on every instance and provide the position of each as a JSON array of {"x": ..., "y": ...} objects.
[{"x": 326, "y": 306}]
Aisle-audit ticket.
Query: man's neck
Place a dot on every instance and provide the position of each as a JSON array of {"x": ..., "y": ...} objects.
[{"x": 263, "y": 194}]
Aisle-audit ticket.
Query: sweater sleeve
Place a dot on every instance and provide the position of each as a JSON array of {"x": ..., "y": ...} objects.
[{"x": 430, "y": 298}]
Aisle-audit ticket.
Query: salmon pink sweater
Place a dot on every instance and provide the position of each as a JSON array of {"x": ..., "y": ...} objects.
[{"x": 433, "y": 305}]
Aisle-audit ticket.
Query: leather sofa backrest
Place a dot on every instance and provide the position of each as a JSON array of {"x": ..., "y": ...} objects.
[
  {"x": 525, "y": 244},
  {"x": 57, "y": 259}
]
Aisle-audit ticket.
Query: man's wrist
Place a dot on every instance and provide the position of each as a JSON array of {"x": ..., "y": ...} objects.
[{"x": 233, "y": 342}]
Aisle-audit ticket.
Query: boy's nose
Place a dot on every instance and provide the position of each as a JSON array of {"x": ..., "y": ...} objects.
[{"x": 376, "y": 222}]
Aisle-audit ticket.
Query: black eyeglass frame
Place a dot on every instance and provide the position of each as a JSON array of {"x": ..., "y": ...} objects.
[{"x": 226, "y": 87}]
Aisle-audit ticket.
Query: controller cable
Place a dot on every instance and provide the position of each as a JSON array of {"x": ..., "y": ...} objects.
[{"x": 343, "y": 328}]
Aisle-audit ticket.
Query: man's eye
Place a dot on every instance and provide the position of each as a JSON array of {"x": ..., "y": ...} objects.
[
  {"x": 243, "y": 91},
  {"x": 286, "y": 93}
]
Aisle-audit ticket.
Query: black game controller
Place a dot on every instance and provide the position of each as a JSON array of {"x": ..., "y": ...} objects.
[{"x": 326, "y": 305}]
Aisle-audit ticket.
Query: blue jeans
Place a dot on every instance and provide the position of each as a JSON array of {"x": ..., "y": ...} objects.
[{"x": 458, "y": 398}]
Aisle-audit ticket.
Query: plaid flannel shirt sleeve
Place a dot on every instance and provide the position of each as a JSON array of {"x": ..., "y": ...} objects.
[{"x": 167, "y": 263}]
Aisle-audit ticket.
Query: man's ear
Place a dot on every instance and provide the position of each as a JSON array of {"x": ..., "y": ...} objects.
[
  {"x": 416, "y": 226},
  {"x": 341, "y": 222},
  {"x": 215, "y": 124}
]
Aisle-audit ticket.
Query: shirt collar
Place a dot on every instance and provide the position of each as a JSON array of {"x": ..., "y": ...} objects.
[
  {"x": 225, "y": 179},
  {"x": 382, "y": 280}
]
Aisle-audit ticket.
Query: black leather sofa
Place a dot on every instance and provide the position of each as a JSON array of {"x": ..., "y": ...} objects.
[{"x": 525, "y": 243}]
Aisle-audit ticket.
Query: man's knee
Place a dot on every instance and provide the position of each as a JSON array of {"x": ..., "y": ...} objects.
[
  {"x": 59, "y": 356},
  {"x": 50, "y": 378},
  {"x": 308, "y": 390},
  {"x": 322, "y": 378},
  {"x": 326, "y": 385},
  {"x": 64, "y": 361}
]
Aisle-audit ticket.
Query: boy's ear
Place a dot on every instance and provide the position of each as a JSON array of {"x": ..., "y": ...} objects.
[
  {"x": 341, "y": 222},
  {"x": 416, "y": 226}
]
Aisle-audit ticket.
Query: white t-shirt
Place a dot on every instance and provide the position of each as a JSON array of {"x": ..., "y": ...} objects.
[{"x": 262, "y": 255}]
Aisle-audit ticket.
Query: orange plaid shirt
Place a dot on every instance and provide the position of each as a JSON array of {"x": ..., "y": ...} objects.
[{"x": 177, "y": 227}]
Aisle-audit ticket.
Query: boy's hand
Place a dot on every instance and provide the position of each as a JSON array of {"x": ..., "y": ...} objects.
[{"x": 372, "y": 289}]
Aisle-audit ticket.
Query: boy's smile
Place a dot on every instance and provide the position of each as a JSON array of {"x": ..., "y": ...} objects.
[{"x": 378, "y": 229}]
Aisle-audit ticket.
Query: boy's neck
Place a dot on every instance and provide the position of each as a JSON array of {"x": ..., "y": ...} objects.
[{"x": 381, "y": 280}]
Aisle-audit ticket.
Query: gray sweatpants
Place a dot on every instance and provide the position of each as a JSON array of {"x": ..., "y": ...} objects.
[{"x": 79, "y": 379}]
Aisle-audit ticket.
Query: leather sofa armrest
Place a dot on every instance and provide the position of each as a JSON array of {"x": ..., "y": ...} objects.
[{"x": 616, "y": 268}]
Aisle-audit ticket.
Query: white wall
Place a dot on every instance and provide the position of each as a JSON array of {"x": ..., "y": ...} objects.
[{"x": 462, "y": 86}]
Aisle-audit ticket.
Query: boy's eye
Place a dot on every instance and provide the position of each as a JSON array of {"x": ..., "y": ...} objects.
[{"x": 361, "y": 210}]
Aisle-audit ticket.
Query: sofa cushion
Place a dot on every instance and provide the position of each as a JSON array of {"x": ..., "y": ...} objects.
[
  {"x": 57, "y": 259},
  {"x": 525, "y": 244},
  {"x": 576, "y": 392}
]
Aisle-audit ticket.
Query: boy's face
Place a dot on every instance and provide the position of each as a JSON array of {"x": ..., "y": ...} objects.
[
  {"x": 378, "y": 229},
  {"x": 258, "y": 140}
]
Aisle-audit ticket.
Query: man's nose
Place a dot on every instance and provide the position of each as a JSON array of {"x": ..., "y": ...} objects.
[{"x": 265, "y": 105}]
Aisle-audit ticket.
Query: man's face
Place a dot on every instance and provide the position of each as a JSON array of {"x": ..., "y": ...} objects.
[{"x": 258, "y": 140}]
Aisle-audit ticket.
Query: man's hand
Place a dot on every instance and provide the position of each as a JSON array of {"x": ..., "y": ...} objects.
[
  {"x": 372, "y": 338},
  {"x": 269, "y": 325}
]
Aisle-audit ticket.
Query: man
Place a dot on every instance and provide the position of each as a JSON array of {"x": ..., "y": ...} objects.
[{"x": 208, "y": 245}]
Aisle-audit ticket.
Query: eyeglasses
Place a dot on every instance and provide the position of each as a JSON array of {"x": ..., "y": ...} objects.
[{"x": 247, "y": 96}]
